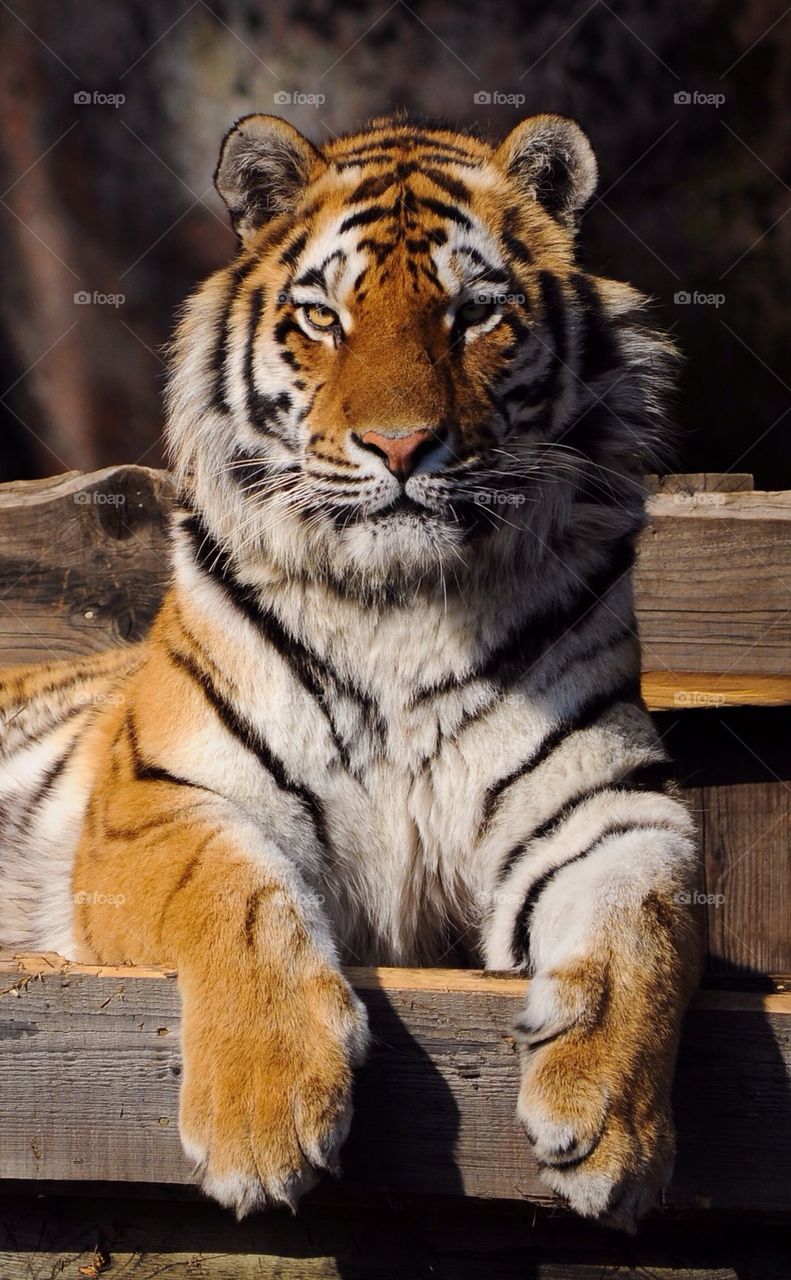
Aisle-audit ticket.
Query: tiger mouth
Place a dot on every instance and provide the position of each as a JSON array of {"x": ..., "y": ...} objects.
[{"x": 403, "y": 505}]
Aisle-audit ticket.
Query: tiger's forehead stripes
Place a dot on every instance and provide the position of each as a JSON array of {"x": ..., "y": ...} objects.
[
  {"x": 398, "y": 194},
  {"x": 424, "y": 211}
]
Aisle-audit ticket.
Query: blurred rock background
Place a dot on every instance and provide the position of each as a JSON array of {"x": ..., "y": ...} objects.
[{"x": 110, "y": 198}]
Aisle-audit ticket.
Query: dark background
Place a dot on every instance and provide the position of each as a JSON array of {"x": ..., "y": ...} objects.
[{"x": 117, "y": 199}]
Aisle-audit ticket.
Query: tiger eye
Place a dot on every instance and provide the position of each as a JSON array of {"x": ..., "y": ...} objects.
[
  {"x": 472, "y": 312},
  {"x": 320, "y": 317}
]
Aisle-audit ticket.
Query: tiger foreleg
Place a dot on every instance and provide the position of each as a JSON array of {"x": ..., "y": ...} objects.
[
  {"x": 614, "y": 951},
  {"x": 270, "y": 1027}
]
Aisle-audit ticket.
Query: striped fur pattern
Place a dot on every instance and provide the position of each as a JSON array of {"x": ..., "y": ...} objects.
[{"x": 389, "y": 712}]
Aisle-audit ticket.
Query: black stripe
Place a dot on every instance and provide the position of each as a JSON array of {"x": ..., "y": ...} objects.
[
  {"x": 251, "y": 915},
  {"x": 364, "y": 217},
  {"x": 522, "y": 926},
  {"x": 237, "y": 276},
  {"x": 254, "y": 742},
  {"x": 145, "y": 770},
  {"x": 641, "y": 778},
  {"x": 372, "y": 188},
  {"x": 380, "y": 248},
  {"x": 512, "y": 241},
  {"x": 535, "y": 635},
  {"x": 405, "y": 140},
  {"x": 444, "y": 210},
  {"x": 314, "y": 276},
  {"x": 50, "y": 777},
  {"x": 518, "y": 249},
  {"x": 554, "y": 308},
  {"x": 247, "y": 472},
  {"x": 288, "y": 257},
  {"x": 285, "y": 326},
  {"x": 627, "y": 689},
  {"x": 187, "y": 873},
  {"x": 452, "y": 186},
  {"x": 601, "y": 644},
  {"x": 306, "y": 665},
  {"x": 262, "y": 410},
  {"x": 27, "y": 811},
  {"x": 598, "y": 349}
]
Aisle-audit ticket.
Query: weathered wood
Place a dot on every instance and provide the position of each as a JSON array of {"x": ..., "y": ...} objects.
[
  {"x": 701, "y": 481},
  {"x": 84, "y": 560},
  {"x": 403, "y": 1240},
  {"x": 713, "y": 584},
  {"x": 92, "y": 1068},
  {"x": 695, "y": 690}
]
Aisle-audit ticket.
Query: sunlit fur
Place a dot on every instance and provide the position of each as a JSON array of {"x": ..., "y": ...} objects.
[{"x": 380, "y": 721}]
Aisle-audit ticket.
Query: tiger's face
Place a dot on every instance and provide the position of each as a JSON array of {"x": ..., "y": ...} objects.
[{"x": 404, "y": 353}]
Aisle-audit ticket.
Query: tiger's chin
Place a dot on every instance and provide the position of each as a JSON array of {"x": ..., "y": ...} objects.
[
  {"x": 394, "y": 549},
  {"x": 404, "y": 541}
]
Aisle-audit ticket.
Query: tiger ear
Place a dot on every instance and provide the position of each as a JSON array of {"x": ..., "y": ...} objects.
[
  {"x": 550, "y": 159},
  {"x": 264, "y": 164}
]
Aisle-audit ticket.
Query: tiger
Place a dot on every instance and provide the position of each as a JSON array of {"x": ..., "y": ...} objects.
[{"x": 389, "y": 710}]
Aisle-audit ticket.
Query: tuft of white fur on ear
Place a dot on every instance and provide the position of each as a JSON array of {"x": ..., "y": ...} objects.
[
  {"x": 264, "y": 164},
  {"x": 550, "y": 160}
]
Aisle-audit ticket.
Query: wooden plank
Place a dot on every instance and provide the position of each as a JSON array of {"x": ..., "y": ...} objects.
[
  {"x": 407, "y": 1239},
  {"x": 713, "y": 584},
  {"x": 92, "y": 1071},
  {"x": 694, "y": 690},
  {"x": 700, "y": 481},
  {"x": 735, "y": 765},
  {"x": 84, "y": 561}
]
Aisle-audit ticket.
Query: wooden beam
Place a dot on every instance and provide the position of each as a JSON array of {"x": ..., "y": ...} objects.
[
  {"x": 701, "y": 481},
  {"x": 84, "y": 561},
  {"x": 91, "y": 1074},
  {"x": 713, "y": 585},
  {"x": 696, "y": 690}
]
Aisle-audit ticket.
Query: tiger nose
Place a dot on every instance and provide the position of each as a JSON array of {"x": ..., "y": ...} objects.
[{"x": 400, "y": 452}]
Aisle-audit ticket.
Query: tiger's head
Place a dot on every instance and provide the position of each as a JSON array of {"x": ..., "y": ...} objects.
[{"x": 405, "y": 368}]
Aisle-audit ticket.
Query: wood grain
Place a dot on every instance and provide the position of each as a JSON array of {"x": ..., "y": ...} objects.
[
  {"x": 702, "y": 690},
  {"x": 92, "y": 1063},
  {"x": 713, "y": 584},
  {"x": 83, "y": 561}
]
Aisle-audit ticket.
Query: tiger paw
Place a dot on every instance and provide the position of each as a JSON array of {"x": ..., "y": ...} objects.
[
  {"x": 594, "y": 1099},
  {"x": 266, "y": 1098}
]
